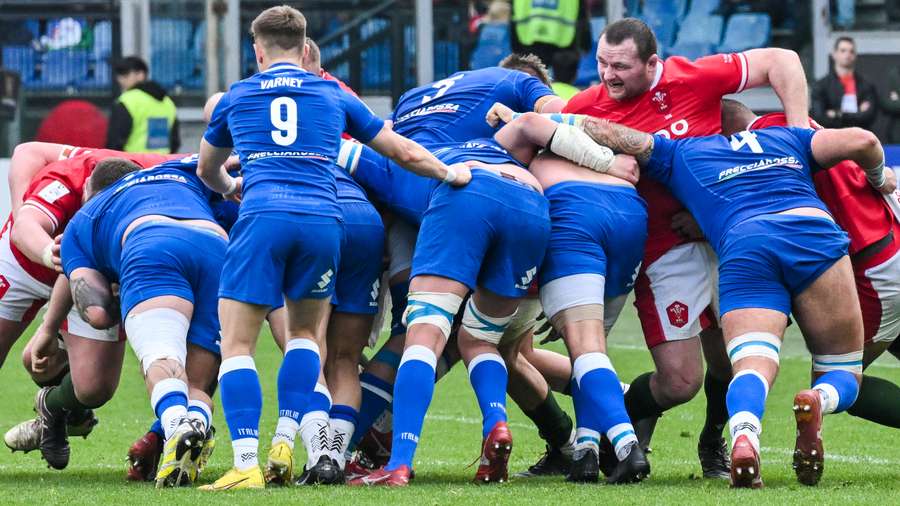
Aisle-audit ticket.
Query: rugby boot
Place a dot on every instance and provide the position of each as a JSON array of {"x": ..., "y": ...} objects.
[
  {"x": 633, "y": 469},
  {"x": 383, "y": 478},
  {"x": 745, "y": 472},
  {"x": 82, "y": 426},
  {"x": 177, "y": 467},
  {"x": 376, "y": 447},
  {"x": 607, "y": 457},
  {"x": 54, "y": 442},
  {"x": 209, "y": 445},
  {"x": 24, "y": 437},
  {"x": 644, "y": 429},
  {"x": 280, "y": 465},
  {"x": 714, "y": 459},
  {"x": 585, "y": 466},
  {"x": 237, "y": 480},
  {"x": 495, "y": 451},
  {"x": 325, "y": 472},
  {"x": 553, "y": 462},
  {"x": 357, "y": 467},
  {"x": 143, "y": 457},
  {"x": 809, "y": 454}
]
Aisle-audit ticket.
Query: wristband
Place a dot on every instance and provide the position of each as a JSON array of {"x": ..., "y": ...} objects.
[
  {"x": 232, "y": 187},
  {"x": 881, "y": 177},
  {"x": 450, "y": 177},
  {"x": 47, "y": 256}
]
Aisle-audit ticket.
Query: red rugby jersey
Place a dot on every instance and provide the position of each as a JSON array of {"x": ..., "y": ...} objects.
[
  {"x": 684, "y": 100},
  {"x": 856, "y": 206}
]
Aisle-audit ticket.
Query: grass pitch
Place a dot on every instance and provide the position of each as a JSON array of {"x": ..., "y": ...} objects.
[{"x": 862, "y": 459}]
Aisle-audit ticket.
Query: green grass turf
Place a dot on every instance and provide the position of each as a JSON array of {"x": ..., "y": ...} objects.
[{"x": 863, "y": 459}]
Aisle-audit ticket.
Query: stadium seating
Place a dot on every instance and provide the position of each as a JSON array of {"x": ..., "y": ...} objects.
[
  {"x": 665, "y": 8},
  {"x": 703, "y": 7},
  {"x": 170, "y": 67},
  {"x": 62, "y": 68},
  {"x": 170, "y": 34},
  {"x": 587, "y": 66},
  {"x": 493, "y": 45},
  {"x": 699, "y": 35},
  {"x": 746, "y": 31},
  {"x": 99, "y": 71},
  {"x": 664, "y": 27},
  {"x": 20, "y": 59}
]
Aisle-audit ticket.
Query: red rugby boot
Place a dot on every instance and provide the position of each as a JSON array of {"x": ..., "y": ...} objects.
[
  {"x": 495, "y": 452},
  {"x": 383, "y": 478},
  {"x": 143, "y": 457},
  {"x": 745, "y": 464},
  {"x": 809, "y": 454}
]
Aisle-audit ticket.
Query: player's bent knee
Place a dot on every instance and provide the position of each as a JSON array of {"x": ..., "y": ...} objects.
[
  {"x": 482, "y": 327},
  {"x": 763, "y": 345},
  {"x": 851, "y": 362},
  {"x": 95, "y": 395},
  {"x": 433, "y": 308},
  {"x": 679, "y": 386},
  {"x": 158, "y": 334}
]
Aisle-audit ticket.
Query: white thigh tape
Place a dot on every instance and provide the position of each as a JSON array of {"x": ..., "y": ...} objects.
[
  {"x": 158, "y": 334},
  {"x": 483, "y": 327},
  {"x": 434, "y": 308},
  {"x": 754, "y": 344},
  {"x": 850, "y": 362}
]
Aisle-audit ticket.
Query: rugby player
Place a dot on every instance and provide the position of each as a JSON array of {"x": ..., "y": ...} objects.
[
  {"x": 780, "y": 253},
  {"x": 286, "y": 242},
  {"x": 870, "y": 219},
  {"x": 46, "y": 194},
  {"x": 674, "y": 292}
]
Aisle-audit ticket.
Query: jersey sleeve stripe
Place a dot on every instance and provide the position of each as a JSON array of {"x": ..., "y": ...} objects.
[
  {"x": 39, "y": 207},
  {"x": 745, "y": 72}
]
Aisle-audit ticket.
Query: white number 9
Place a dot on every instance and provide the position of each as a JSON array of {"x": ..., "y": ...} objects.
[{"x": 286, "y": 129}]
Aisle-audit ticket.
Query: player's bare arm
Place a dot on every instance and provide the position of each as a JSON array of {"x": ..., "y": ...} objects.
[
  {"x": 833, "y": 145},
  {"x": 27, "y": 160},
  {"x": 44, "y": 343},
  {"x": 93, "y": 298},
  {"x": 211, "y": 170},
  {"x": 620, "y": 139},
  {"x": 549, "y": 104},
  {"x": 782, "y": 70},
  {"x": 413, "y": 157},
  {"x": 31, "y": 233}
]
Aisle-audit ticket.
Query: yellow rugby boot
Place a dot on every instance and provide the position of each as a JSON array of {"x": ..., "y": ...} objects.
[
  {"x": 280, "y": 465},
  {"x": 177, "y": 466},
  {"x": 237, "y": 480}
]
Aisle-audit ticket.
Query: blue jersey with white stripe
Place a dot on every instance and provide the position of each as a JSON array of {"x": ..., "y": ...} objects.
[
  {"x": 454, "y": 109},
  {"x": 485, "y": 150},
  {"x": 93, "y": 237},
  {"x": 286, "y": 125},
  {"x": 724, "y": 181}
]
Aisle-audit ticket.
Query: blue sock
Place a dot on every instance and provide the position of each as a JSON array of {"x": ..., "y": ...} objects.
[
  {"x": 838, "y": 390},
  {"x": 377, "y": 395},
  {"x": 488, "y": 376},
  {"x": 169, "y": 400},
  {"x": 201, "y": 412},
  {"x": 157, "y": 428},
  {"x": 297, "y": 377},
  {"x": 242, "y": 405},
  {"x": 413, "y": 390},
  {"x": 602, "y": 402},
  {"x": 746, "y": 402}
]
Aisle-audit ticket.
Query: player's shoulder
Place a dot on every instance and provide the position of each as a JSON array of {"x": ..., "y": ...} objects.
[{"x": 679, "y": 68}]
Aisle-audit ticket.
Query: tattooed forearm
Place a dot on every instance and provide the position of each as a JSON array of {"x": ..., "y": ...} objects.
[
  {"x": 620, "y": 139},
  {"x": 86, "y": 296}
]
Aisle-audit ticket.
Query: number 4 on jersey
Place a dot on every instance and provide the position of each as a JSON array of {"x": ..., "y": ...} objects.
[{"x": 746, "y": 139}]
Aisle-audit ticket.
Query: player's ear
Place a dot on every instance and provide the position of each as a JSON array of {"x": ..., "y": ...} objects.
[
  {"x": 258, "y": 52},
  {"x": 652, "y": 61}
]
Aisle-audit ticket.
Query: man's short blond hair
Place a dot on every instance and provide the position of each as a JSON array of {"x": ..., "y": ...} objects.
[{"x": 281, "y": 28}]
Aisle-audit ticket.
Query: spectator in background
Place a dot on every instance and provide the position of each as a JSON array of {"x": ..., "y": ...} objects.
[
  {"x": 890, "y": 104},
  {"x": 844, "y": 98},
  {"x": 565, "y": 69},
  {"x": 544, "y": 28},
  {"x": 143, "y": 117}
]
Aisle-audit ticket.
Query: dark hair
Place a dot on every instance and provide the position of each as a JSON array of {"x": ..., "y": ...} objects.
[
  {"x": 314, "y": 54},
  {"x": 110, "y": 170},
  {"x": 565, "y": 66},
  {"x": 130, "y": 64},
  {"x": 844, "y": 38},
  {"x": 529, "y": 63},
  {"x": 282, "y": 26},
  {"x": 634, "y": 29}
]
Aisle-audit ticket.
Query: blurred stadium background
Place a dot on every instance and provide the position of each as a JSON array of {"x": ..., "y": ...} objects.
[{"x": 58, "y": 50}]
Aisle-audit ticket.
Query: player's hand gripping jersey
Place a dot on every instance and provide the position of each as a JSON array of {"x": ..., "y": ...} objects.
[
  {"x": 683, "y": 101},
  {"x": 453, "y": 109}
]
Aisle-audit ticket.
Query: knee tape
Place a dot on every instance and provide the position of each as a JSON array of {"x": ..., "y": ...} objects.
[
  {"x": 158, "y": 334},
  {"x": 483, "y": 327},
  {"x": 754, "y": 344},
  {"x": 851, "y": 362},
  {"x": 434, "y": 308},
  {"x": 524, "y": 320}
]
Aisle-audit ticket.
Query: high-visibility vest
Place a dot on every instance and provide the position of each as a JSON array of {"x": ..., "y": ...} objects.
[
  {"x": 563, "y": 90},
  {"x": 151, "y": 122},
  {"x": 545, "y": 21}
]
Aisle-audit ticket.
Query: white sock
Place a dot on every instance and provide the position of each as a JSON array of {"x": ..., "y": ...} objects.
[
  {"x": 285, "y": 431},
  {"x": 623, "y": 435},
  {"x": 587, "y": 438},
  {"x": 747, "y": 424},
  {"x": 246, "y": 453},
  {"x": 316, "y": 436},
  {"x": 569, "y": 448},
  {"x": 829, "y": 397},
  {"x": 200, "y": 411},
  {"x": 341, "y": 432},
  {"x": 170, "y": 419}
]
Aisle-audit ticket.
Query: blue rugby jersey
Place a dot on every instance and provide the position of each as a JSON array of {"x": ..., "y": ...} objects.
[
  {"x": 454, "y": 109},
  {"x": 286, "y": 126},
  {"x": 724, "y": 181}
]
